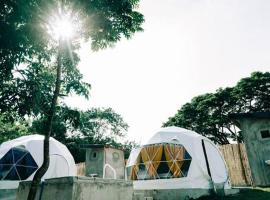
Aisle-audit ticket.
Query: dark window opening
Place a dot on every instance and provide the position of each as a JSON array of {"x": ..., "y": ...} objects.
[
  {"x": 265, "y": 134},
  {"x": 17, "y": 164},
  {"x": 185, "y": 167},
  {"x": 163, "y": 169},
  {"x": 94, "y": 154}
]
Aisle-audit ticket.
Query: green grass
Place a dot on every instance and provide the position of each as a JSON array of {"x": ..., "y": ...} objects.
[{"x": 246, "y": 194}]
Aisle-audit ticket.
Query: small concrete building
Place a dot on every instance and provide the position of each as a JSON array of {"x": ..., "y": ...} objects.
[
  {"x": 104, "y": 162},
  {"x": 255, "y": 129}
]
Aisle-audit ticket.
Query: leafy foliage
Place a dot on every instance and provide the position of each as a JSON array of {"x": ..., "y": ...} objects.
[
  {"x": 73, "y": 144},
  {"x": 28, "y": 61},
  {"x": 28, "y": 53},
  {"x": 25, "y": 40},
  {"x": 11, "y": 130},
  {"x": 208, "y": 114},
  {"x": 73, "y": 128},
  {"x": 30, "y": 91}
]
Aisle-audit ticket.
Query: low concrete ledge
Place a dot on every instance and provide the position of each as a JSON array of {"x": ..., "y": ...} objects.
[
  {"x": 8, "y": 194},
  {"x": 86, "y": 188},
  {"x": 80, "y": 188},
  {"x": 179, "y": 194},
  {"x": 84, "y": 179},
  {"x": 232, "y": 191},
  {"x": 170, "y": 194}
]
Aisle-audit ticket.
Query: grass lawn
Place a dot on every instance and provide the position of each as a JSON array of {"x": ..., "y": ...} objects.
[{"x": 246, "y": 194}]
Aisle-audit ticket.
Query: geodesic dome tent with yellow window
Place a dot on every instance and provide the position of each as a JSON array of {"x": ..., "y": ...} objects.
[{"x": 177, "y": 158}]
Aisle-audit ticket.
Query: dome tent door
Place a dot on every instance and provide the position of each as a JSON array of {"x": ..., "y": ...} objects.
[{"x": 216, "y": 165}]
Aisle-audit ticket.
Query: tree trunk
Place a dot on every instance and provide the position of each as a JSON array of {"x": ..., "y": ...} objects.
[{"x": 46, "y": 143}]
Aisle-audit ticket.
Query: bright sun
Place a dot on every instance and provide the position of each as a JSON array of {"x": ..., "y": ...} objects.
[{"x": 61, "y": 27}]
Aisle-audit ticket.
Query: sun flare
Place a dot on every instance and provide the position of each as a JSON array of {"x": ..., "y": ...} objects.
[{"x": 61, "y": 27}]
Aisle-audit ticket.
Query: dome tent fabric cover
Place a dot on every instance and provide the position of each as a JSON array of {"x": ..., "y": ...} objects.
[
  {"x": 177, "y": 158},
  {"x": 21, "y": 157}
]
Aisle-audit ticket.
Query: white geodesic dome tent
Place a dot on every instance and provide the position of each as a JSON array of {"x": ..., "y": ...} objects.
[
  {"x": 177, "y": 158},
  {"x": 20, "y": 158}
]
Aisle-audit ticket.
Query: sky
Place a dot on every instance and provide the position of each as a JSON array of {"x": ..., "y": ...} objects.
[{"x": 188, "y": 48}]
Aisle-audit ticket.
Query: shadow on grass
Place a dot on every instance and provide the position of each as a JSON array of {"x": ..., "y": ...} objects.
[{"x": 245, "y": 194}]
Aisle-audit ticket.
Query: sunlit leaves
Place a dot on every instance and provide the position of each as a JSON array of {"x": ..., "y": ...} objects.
[
  {"x": 24, "y": 40},
  {"x": 28, "y": 59}
]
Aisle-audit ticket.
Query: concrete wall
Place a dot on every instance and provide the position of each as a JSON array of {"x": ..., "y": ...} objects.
[
  {"x": 85, "y": 188},
  {"x": 8, "y": 194},
  {"x": 94, "y": 161},
  {"x": 81, "y": 188},
  {"x": 258, "y": 149},
  {"x": 8, "y": 189},
  {"x": 182, "y": 194},
  {"x": 175, "y": 194},
  {"x": 115, "y": 158}
]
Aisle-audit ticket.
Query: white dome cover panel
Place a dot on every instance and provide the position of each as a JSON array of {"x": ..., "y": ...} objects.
[
  {"x": 61, "y": 163},
  {"x": 172, "y": 135},
  {"x": 197, "y": 175}
]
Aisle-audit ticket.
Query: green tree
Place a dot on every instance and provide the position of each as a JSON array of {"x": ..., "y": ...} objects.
[
  {"x": 24, "y": 40},
  {"x": 74, "y": 143},
  {"x": 10, "y": 130},
  {"x": 74, "y": 127},
  {"x": 208, "y": 114},
  {"x": 253, "y": 93},
  {"x": 29, "y": 92}
]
